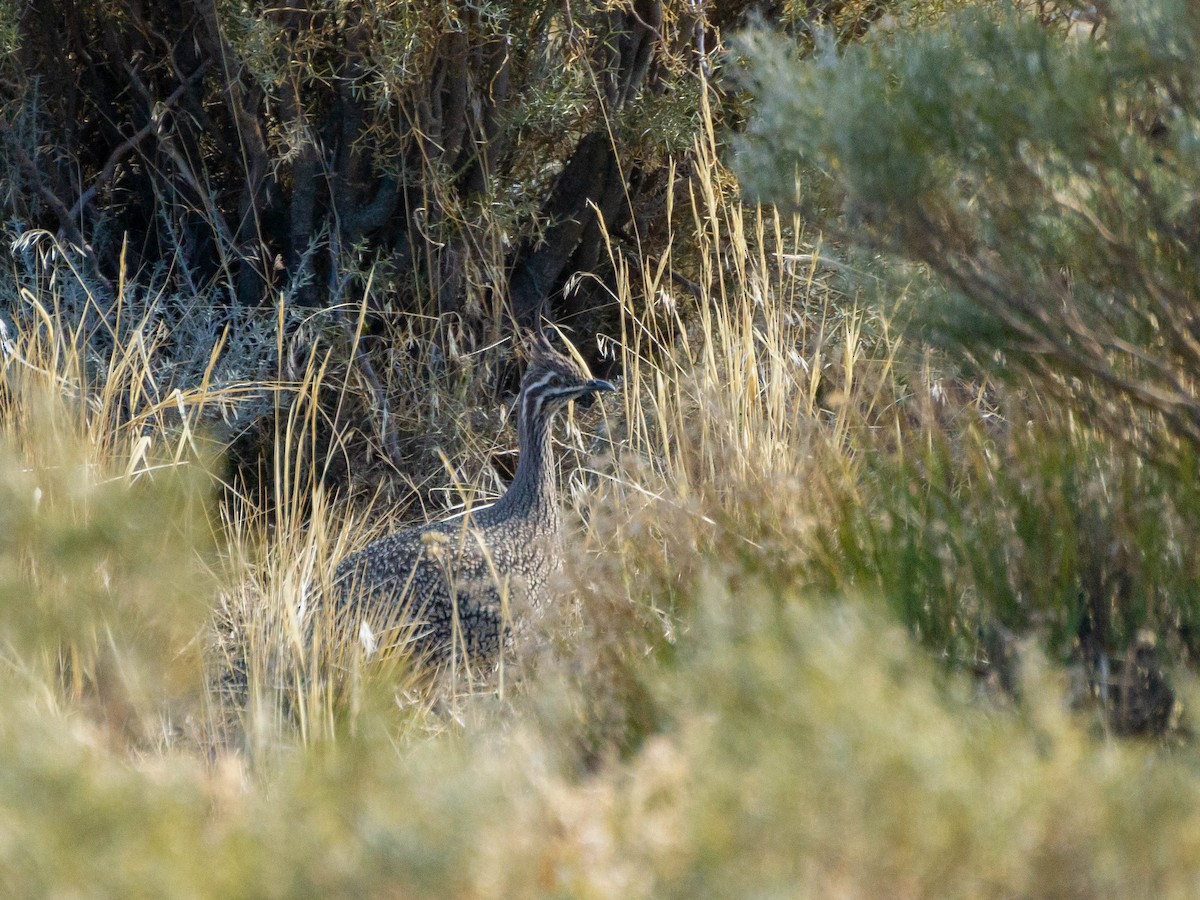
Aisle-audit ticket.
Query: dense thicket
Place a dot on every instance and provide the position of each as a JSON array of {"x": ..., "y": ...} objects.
[
  {"x": 237, "y": 183},
  {"x": 464, "y": 150},
  {"x": 230, "y": 182}
]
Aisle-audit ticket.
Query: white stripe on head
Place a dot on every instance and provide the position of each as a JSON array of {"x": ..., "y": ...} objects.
[{"x": 542, "y": 381}]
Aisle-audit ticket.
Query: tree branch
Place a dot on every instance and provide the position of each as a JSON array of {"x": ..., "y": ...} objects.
[
  {"x": 109, "y": 171},
  {"x": 28, "y": 167}
]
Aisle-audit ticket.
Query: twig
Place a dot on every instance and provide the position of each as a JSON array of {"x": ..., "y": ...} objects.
[
  {"x": 337, "y": 286},
  {"x": 121, "y": 150},
  {"x": 29, "y": 169}
]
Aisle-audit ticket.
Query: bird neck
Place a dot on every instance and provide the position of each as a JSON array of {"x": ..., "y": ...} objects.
[{"x": 532, "y": 491}]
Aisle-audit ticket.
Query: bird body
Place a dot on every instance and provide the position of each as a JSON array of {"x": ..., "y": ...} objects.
[{"x": 447, "y": 589}]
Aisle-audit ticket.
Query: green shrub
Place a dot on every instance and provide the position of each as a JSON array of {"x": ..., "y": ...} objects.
[
  {"x": 1040, "y": 171},
  {"x": 1019, "y": 181}
]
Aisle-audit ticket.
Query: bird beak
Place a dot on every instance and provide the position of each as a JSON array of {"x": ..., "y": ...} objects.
[{"x": 588, "y": 391}]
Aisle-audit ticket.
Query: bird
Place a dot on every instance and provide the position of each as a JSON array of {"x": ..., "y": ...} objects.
[{"x": 444, "y": 591}]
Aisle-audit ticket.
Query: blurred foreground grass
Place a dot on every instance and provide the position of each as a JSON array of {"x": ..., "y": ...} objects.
[{"x": 799, "y": 748}]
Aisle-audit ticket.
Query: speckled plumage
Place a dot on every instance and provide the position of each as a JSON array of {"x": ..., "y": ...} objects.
[{"x": 447, "y": 587}]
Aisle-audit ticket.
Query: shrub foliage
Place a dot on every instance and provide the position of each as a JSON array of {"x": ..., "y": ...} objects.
[
  {"x": 1041, "y": 168},
  {"x": 237, "y": 144}
]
